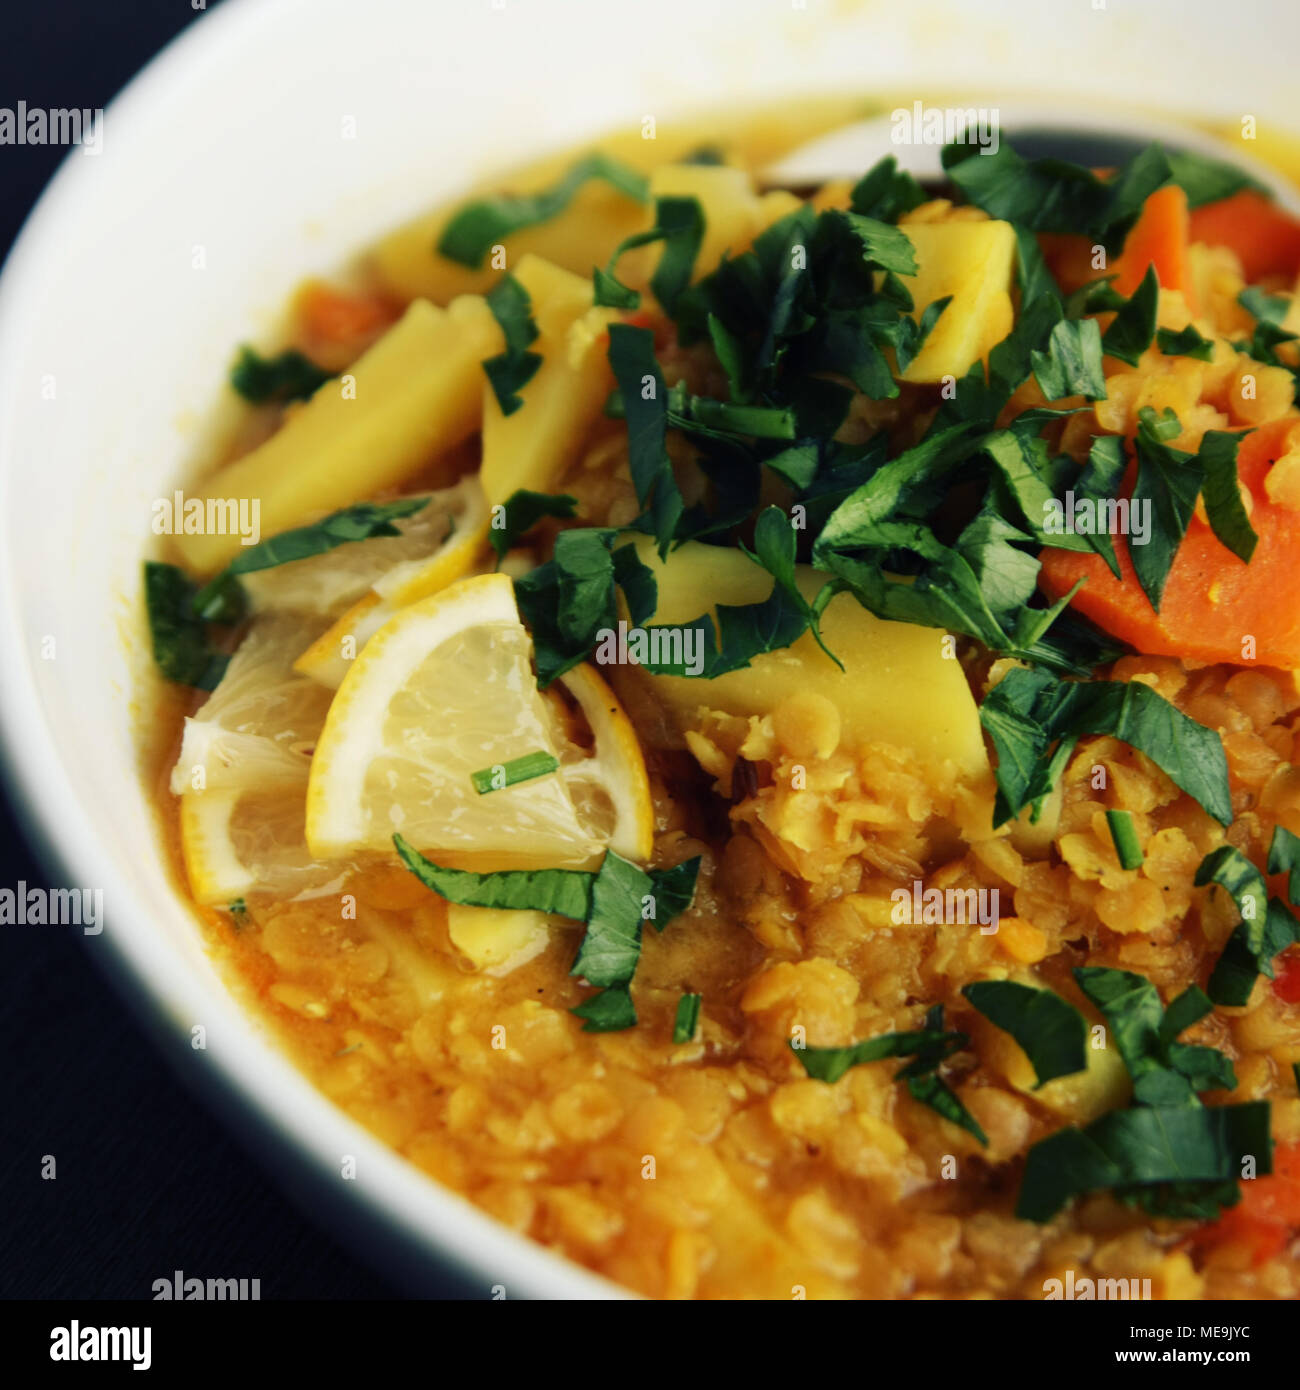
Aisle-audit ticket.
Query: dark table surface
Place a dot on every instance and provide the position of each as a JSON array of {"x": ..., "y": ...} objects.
[{"x": 147, "y": 1179}]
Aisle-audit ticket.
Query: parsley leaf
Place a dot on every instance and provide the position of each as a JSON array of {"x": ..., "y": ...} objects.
[
  {"x": 1147, "y": 1147},
  {"x": 1134, "y": 325},
  {"x": 1186, "y": 342},
  {"x": 1071, "y": 366},
  {"x": 177, "y": 632},
  {"x": 1266, "y": 928},
  {"x": 928, "y": 1046},
  {"x": 1052, "y": 195},
  {"x": 521, "y": 511},
  {"x": 608, "y": 1011},
  {"x": 1051, "y": 1032},
  {"x": 1223, "y": 505},
  {"x": 645, "y": 403},
  {"x": 290, "y": 376},
  {"x": 361, "y": 522},
  {"x": 1168, "y": 483},
  {"x": 512, "y": 369},
  {"x": 1035, "y": 720},
  {"x": 566, "y": 892},
  {"x": 478, "y": 226}
]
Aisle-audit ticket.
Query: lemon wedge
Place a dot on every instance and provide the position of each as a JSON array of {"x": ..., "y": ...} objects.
[
  {"x": 445, "y": 689},
  {"x": 237, "y": 841},
  {"x": 326, "y": 585},
  {"x": 459, "y": 548},
  {"x": 258, "y": 727},
  {"x": 242, "y": 773}
]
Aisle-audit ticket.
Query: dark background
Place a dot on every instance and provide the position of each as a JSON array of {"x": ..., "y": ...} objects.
[{"x": 148, "y": 1179}]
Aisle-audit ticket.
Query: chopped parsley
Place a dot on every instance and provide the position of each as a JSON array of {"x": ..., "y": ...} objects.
[
  {"x": 479, "y": 226},
  {"x": 1167, "y": 1153},
  {"x": 928, "y": 1046},
  {"x": 289, "y": 376},
  {"x": 179, "y": 636},
  {"x": 1051, "y": 1032},
  {"x": 614, "y": 902},
  {"x": 521, "y": 511},
  {"x": 511, "y": 370},
  {"x": 1267, "y": 926},
  {"x": 1035, "y": 721}
]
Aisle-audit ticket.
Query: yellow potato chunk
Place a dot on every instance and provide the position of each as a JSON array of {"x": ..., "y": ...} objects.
[
  {"x": 497, "y": 940},
  {"x": 416, "y": 394},
  {"x": 897, "y": 686},
  {"x": 973, "y": 262},
  {"x": 531, "y": 447}
]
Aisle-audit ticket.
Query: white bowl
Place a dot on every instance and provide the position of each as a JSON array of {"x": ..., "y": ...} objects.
[{"x": 224, "y": 178}]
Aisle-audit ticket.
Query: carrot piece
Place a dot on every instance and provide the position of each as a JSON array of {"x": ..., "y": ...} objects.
[
  {"x": 1287, "y": 984},
  {"x": 1269, "y": 1211},
  {"x": 1265, "y": 237},
  {"x": 1160, "y": 238},
  {"x": 1212, "y": 601},
  {"x": 339, "y": 316}
]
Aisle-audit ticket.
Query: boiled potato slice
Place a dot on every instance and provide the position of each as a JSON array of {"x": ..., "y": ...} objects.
[
  {"x": 973, "y": 262},
  {"x": 497, "y": 940},
  {"x": 531, "y": 448},
  {"x": 416, "y": 394},
  {"x": 897, "y": 686}
]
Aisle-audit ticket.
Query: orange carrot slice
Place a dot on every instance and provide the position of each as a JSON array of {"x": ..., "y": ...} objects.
[
  {"x": 1268, "y": 1215},
  {"x": 1264, "y": 236},
  {"x": 1160, "y": 238},
  {"x": 340, "y": 316},
  {"x": 1212, "y": 601}
]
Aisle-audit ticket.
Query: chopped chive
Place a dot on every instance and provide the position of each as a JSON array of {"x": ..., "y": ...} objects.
[
  {"x": 1125, "y": 838},
  {"x": 237, "y": 908},
  {"x": 688, "y": 1018},
  {"x": 493, "y": 779},
  {"x": 1295, "y": 1071}
]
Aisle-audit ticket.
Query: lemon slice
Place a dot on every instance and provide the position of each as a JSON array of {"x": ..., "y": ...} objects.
[
  {"x": 615, "y": 770},
  {"x": 260, "y": 724},
  {"x": 235, "y": 842},
  {"x": 445, "y": 689},
  {"x": 327, "y": 585},
  {"x": 328, "y": 658},
  {"x": 242, "y": 773}
]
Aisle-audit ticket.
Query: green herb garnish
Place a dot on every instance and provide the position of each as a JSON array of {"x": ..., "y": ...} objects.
[
  {"x": 688, "y": 1018},
  {"x": 521, "y": 511},
  {"x": 1168, "y": 1154},
  {"x": 1267, "y": 926},
  {"x": 1186, "y": 342},
  {"x": 512, "y": 369},
  {"x": 614, "y": 902},
  {"x": 928, "y": 1046},
  {"x": 289, "y": 376},
  {"x": 524, "y": 769},
  {"x": 1051, "y": 1032},
  {"x": 1035, "y": 721},
  {"x": 479, "y": 226},
  {"x": 1124, "y": 837},
  {"x": 179, "y": 635}
]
